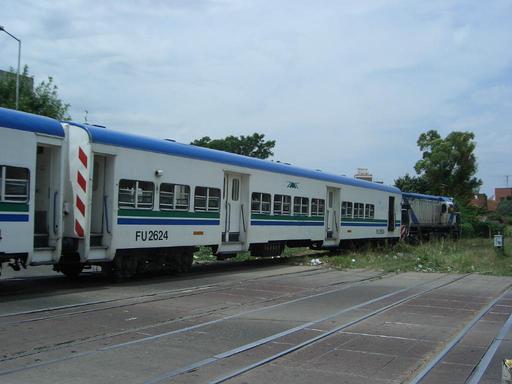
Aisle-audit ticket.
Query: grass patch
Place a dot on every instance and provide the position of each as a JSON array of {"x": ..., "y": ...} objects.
[{"x": 463, "y": 256}]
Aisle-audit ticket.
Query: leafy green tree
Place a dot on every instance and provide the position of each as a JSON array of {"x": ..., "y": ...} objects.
[
  {"x": 253, "y": 145},
  {"x": 448, "y": 165},
  {"x": 409, "y": 183},
  {"x": 41, "y": 100},
  {"x": 505, "y": 207}
]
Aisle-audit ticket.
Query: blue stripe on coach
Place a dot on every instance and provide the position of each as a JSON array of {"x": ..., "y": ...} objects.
[
  {"x": 144, "y": 221},
  {"x": 344, "y": 224},
  {"x": 288, "y": 223},
  {"x": 13, "y": 218}
]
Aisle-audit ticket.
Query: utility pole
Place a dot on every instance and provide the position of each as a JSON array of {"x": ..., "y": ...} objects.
[{"x": 18, "y": 72}]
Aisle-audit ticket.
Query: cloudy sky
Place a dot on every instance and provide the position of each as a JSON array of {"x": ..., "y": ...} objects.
[{"x": 338, "y": 84}]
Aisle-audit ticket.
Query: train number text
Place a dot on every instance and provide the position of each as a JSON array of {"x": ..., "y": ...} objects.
[{"x": 151, "y": 235}]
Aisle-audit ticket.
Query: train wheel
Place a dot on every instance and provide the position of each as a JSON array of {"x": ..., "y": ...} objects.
[
  {"x": 186, "y": 260},
  {"x": 124, "y": 267},
  {"x": 71, "y": 271}
]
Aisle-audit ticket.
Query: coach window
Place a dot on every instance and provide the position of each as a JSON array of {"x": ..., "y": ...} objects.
[
  {"x": 260, "y": 202},
  {"x": 346, "y": 209},
  {"x": 235, "y": 190},
  {"x": 317, "y": 207},
  {"x": 369, "y": 211},
  {"x": 14, "y": 183},
  {"x": 300, "y": 206},
  {"x": 182, "y": 195},
  {"x": 206, "y": 199},
  {"x": 136, "y": 194},
  {"x": 359, "y": 210},
  {"x": 95, "y": 176},
  {"x": 174, "y": 197},
  {"x": 282, "y": 204}
]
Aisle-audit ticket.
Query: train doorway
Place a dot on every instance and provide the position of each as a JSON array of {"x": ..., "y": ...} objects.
[
  {"x": 47, "y": 189},
  {"x": 332, "y": 214},
  {"x": 234, "y": 210},
  {"x": 100, "y": 201},
  {"x": 391, "y": 214}
]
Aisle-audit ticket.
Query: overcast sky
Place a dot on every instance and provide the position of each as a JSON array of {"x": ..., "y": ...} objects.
[{"x": 338, "y": 84}]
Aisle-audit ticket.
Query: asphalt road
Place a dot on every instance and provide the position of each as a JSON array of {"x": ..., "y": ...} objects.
[{"x": 259, "y": 322}]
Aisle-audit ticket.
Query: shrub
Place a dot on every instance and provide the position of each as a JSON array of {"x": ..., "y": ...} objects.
[{"x": 467, "y": 230}]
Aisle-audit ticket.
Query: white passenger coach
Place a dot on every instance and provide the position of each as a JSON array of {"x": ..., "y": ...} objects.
[{"x": 76, "y": 195}]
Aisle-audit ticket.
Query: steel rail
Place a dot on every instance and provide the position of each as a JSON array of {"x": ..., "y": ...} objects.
[
  {"x": 246, "y": 347},
  {"x": 484, "y": 362},
  {"x": 158, "y": 324},
  {"x": 180, "y": 330},
  {"x": 424, "y": 372},
  {"x": 171, "y": 291},
  {"x": 329, "y": 333}
]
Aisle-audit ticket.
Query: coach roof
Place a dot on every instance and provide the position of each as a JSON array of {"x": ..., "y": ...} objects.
[
  {"x": 426, "y": 197},
  {"x": 31, "y": 123},
  {"x": 128, "y": 140}
]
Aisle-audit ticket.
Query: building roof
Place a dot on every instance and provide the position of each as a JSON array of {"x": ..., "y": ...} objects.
[
  {"x": 31, "y": 123},
  {"x": 144, "y": 143}
]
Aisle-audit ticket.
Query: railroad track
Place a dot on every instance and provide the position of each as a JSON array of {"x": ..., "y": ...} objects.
[
  {"x": 36, "y": 285},
  {"x": 228, "y": 354},
  {"x": 164, "y": 296},
  {"x": 309, "y": 333}
]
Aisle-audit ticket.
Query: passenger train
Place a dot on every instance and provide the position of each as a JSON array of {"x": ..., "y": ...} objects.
[{"x": 77, "y": 195}]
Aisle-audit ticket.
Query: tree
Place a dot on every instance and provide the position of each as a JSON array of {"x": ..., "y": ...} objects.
[
  {"x": 409, "y": 183},
  {"x": 41, "y": 100},
  {"x": 253, "y": 145},
  {"x": 505, "y": 207},
  {"x": 448, "y": 165}
]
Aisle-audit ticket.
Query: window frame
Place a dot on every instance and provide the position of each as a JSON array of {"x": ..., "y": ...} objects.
[
  {"x": 260, "y": 202},
  {"x": 4, "y": 181},
  {"x": 369, "y": 211},
  {"x": 235, "y": 192},
  {"x": 345, "y": 207},
  {"x": 282, "y": 201},
  {"x": 358, "y": 210},
  {"x": 317, "y": 203},
  {"x": 302, "y": 203},
  {"x": 174, "y": 206},
  {"x": 136, "y": 195},
  {"x": 208, "y": 198}
]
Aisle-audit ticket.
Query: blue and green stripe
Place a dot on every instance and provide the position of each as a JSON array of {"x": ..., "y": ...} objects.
[
  {"x": 346, "y": 222},
  {"x": 14, "y": 212},
  {"x": 283, "y": 220},
  {"x": 142, "y": 217}
]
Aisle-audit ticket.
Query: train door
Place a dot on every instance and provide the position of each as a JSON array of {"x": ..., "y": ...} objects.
[
  {"x": 332, "y": 214},
  {"x": 97, "y": 200},
  {"x": 47, "y": 197},
  {"x": 15, "y": 225},
  {"x": 234, "y": 221},
  {"x": 101, "y": 197},
  {"x": 391, "y": 213}
]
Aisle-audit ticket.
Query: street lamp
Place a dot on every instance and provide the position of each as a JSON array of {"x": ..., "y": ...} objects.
[{"x": 17, "y": 73}]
